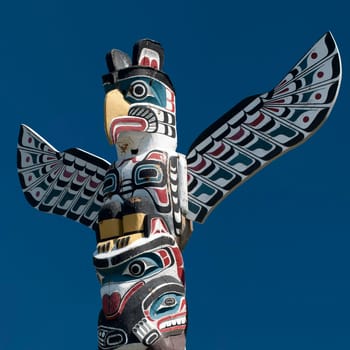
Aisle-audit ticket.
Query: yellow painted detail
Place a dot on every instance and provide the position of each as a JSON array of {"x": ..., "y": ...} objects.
[
  {"x": 115, "y": 106},
  {"x": 106, "y": 246},
  {"x": 128, "y": 239},
  {"x": 110, "y": 228},
  {"x": 133, "y": 222},
  {"x": 117, "y": 243}
]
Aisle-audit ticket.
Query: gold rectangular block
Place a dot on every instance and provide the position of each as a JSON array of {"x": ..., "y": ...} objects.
[
  {"x": 110, "y": 228},
  {"x": 133, "y": 223}
]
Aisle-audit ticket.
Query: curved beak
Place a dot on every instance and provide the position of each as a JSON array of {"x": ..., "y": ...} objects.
[{"x": 115, "y": 106}]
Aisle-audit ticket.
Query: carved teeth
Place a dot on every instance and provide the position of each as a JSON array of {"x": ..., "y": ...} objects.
[{"x": 177, "y": 322}]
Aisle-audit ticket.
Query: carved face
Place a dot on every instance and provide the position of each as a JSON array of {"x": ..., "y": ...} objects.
[
  {"x": 141, "y": 112},
  {"x": 143, "y": 294},
  {"x": 140, "y": 101}
]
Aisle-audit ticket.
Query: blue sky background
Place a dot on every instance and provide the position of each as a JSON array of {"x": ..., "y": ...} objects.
[{"x": 270, "y": 267}]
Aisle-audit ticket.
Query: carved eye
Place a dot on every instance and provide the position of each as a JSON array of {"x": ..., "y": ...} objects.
[
  {"x": 138, "y": 90},
  {"x": 138, "y": 268},
  {"x": 167, "y": 303}
]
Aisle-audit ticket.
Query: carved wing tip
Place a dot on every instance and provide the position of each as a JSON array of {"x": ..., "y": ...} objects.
[{"x": 262, "y": 128}]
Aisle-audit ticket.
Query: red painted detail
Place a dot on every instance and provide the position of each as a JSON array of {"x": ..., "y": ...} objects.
[
  {"x": 166, "y": 261},
  {"x": 28, "y": 159},
  {"x": 154, "y": 64},
  {"x": 67, "y": 173},
  {"x": 157, "y": 156},
  {"x": 237, "y": 135},
  {"x": 180, "y": 264},
  {"x": 320, "y": 74},
  {"x": 121, "y": 305},
  {"x": 147, "y": 315},
  {"x": 129, "y": 294},
  {"x": 111, "y": 303},
  {"x": 273, "y": 109},
  {"x": 258, "y": 120},
  {"x": 279, "y": 101},
  {"x": 145, "y": 62},
  {"x": 199, "y": 166},
  {"x": 314, "y": 55},
  {"x": 129, "y": 123},
  {"x": 170, "y": 100},
  {"x": 165, "y": 257},
  {"x": 284, "y": 90},
  {"x": 30, "y": 178},
  {"x": 30, "y": 140},
  {"x": 183, "y": 306},
  {"x": 37, "y": 193},
  {"x": 218, "y": 150},
  {"x": 318, "y": 96},
  {"x": 80, "y": 178},
  {"x": 93, "y": 184},
  {"x": 178, "y": 256},
  {"x": 158, "y": 226},
  {"x": 162, "y": 195},
  {"x": 163, "y": 253},
  {"x": 306, "y": 119}
]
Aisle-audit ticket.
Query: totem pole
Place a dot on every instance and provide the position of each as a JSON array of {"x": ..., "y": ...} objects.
[{"x": 142, "y": 206}]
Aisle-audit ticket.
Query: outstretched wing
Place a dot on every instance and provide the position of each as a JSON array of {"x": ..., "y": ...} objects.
[
  {"x": 262, "y": 128},
  {"x": 68, "y": 183}
]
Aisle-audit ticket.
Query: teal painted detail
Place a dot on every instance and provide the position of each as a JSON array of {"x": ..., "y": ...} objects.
[
  {"x": 204, "y": 190},
  {"x": 303, "y": 64},
  {"x": 52, "y": 195},
  {"x": 309, "y": 78},
  {"x": 221, "y": 174},
  {"x": 109, "y": 183},
  {"x": 260, "y": 144},
  {"x": 241, "y": 159},
  {"x": 193, "y": 208},
  {"x": 68, "y": 197},
  {"x": 283, "y": 130},
  {"x": 306, "y": 96},
  {"x": 141, "y": 89},
  {"x": 166, "y": 305},
  {"x": 92, "y": 210},
  {"x": 297, "y": 113},
  {"x": 140, "y": 267}
]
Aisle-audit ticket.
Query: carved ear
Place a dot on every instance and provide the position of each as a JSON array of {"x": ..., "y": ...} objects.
[
  {"x": 117, "y": 60},
  {"x": 148, "y": 53}
]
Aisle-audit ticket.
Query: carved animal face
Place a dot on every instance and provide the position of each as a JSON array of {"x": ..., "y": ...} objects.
[
  {"x": 143, "y": 293},
  {"x": 140, "y": 105}
]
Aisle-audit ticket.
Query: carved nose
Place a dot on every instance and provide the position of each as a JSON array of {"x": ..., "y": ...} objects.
[{"x": 110, "y": 304}]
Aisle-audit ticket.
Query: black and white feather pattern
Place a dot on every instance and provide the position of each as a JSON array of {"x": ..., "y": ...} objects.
[
  {"x": 262, "y": 127},
  {"x": 68, "y": 183}
]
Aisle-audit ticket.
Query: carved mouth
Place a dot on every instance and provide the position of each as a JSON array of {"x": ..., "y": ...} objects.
[
  {"x": 113, "y": 304},
  {"x": 129, "y": 123},
  {"x": 172, "y": 324},
  {"x": 145, "y": 112}
]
